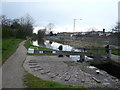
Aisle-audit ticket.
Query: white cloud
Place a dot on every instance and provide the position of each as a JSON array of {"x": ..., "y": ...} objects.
[
  {"x": 63, "y": 1},
  {"x": 95, "y": 13},
  {"x": 36, "y": 29},
  {"x": 28, "y": 0},
  {"x": 69, "y": 28}
]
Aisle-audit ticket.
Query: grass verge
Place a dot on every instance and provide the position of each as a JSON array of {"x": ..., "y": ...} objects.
[
  {"x": 28, "y": 44},
  {"x": 115, "y": 52},
  {"x": 32, "y": 81},
  {"x": 42, "y": 54},
  {"x": 9, "y": 46},
  {"x": 35, "y": 82}
]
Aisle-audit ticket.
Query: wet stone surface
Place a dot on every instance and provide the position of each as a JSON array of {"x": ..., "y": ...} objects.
[{"x": 65, "y": 71}]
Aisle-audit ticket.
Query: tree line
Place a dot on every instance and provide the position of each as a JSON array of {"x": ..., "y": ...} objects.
[
  {"x": 117, "y": 28},
  {"x": 47, "y": 31},
  {"x": 18, "y": 27}
]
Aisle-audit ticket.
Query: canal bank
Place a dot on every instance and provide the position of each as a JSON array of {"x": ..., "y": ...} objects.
[
  {"x": 113, "y": 67},
  {"x": 110, "y": 68},
  {"x": 115, "y": 60}
]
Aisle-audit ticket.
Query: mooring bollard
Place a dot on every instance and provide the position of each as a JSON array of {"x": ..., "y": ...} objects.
[
  {"x": 60, "y": 49},
  {"x": 82, "y": 58}
]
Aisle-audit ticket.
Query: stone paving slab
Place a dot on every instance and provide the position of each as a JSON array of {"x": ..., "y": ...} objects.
[{"x": 65, "y": 71}]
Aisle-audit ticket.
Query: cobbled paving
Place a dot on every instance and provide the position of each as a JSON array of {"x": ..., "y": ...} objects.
[{"x": 65, "y": 71}]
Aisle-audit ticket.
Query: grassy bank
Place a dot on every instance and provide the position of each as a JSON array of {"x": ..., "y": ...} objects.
[
  {"x": 9, "y": 46},
  {"x": 42, "y": 54},
  {"x": 35, "y": 82},
  {"x": 115, "y": 52},
  {"x": 29, "y": 44},
  {"x": 32, "y": 81}
]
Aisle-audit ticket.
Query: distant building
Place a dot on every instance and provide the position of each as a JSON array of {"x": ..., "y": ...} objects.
[
  {"x": 98, "y": 33},
  {"x": 65, "y": 34}
]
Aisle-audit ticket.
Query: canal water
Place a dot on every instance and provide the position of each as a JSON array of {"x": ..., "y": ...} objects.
[
  {"x": 109, "y": 68},
  {"x": 55, "y": 45}
]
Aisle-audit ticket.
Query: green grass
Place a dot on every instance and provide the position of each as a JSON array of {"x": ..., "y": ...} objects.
[
  {"x": 97, "y": 51},
  {"x": 37, "y": 54},
  {"x": 116, "y": 52},
  {"x": 32, "y": 81},
  {"x": 9, "y": 46},
  {"x": 35, "y": 82},
  {"x": 45, "y": 48},
  {"x": 28, "y": 44}
]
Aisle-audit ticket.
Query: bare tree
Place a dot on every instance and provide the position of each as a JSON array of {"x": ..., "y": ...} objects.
[
  {"x": 26, "y": 20},
  {"x": 5, "y": 21},
  {"x": 41, "y": 33},
  {"x": 29, "y": 19},
  {"x": 27, "y": 23},
  {"x": 92, "y": 29},
  {"x": 116, "y": 28},
  {"x": 50, "y": 27}
]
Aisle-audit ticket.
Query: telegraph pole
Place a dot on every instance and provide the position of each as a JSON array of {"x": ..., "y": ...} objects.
[{"x": 74, "y": 24}]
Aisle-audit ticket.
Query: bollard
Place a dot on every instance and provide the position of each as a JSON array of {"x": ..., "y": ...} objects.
[
  {"x": 82, "y": 58},
  {"x": 60, "y": 48}
]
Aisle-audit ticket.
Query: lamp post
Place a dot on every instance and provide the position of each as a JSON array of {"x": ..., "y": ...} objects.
[{"x": 74, "y": 24}]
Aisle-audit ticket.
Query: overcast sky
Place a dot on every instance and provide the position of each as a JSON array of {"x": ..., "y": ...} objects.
[{"x": 94, "y": 13}]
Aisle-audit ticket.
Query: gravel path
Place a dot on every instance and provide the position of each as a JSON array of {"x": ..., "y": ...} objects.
[{"x": 12, "y": 70}]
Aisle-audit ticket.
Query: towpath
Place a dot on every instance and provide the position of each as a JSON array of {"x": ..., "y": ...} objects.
[
  {"x": 115, "y": 58},
  {"x": 12, "y": 70}
]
